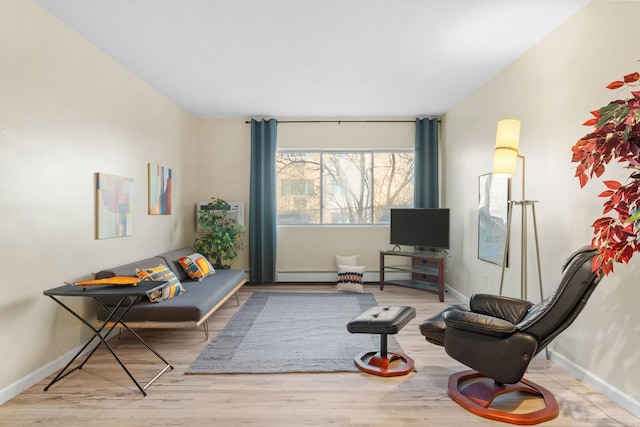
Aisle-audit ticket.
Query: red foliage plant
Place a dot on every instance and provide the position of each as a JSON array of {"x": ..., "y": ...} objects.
[{"x": 616, "y": 135}]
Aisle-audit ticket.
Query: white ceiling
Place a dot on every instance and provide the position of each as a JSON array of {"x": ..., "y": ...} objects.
[{"x": 314, "y": 58}]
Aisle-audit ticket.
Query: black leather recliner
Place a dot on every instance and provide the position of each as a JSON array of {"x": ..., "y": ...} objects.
[{"x": 498, "y": 337}]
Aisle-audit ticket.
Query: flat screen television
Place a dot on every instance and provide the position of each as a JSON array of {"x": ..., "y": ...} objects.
[{"x": 423, "y": 228}]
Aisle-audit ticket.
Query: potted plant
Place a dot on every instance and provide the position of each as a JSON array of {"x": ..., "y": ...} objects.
[
  {"x": 616, "y": 136},
  {"x": 220, "y": 237}
]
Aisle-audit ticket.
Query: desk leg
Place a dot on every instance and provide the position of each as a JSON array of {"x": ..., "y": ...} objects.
[
  {"x": 97, "y": 333},
  {"x": 119, "y": 320}
]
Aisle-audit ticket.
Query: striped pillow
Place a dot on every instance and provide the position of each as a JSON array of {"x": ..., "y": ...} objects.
[
  {"x": 350, "y": 278},
  {"x": 173, "y": 288}
]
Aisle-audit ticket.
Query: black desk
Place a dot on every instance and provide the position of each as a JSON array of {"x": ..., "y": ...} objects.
[{"x": 122, "y": 292}]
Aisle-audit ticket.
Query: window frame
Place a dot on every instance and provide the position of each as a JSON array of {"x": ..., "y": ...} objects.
[{"x": 321, "y": 153}]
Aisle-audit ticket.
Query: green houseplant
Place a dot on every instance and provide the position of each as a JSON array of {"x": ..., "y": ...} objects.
[
  {"x": 616, "y": 136},
  {"x": 220, "y": 237}
]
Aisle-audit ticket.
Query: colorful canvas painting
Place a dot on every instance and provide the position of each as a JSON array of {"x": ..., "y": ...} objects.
[
  {"x": 159, "y": 190},
  {"x": 114, "y": 206}
]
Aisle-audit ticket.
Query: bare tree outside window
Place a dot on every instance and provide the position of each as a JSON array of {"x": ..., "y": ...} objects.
[
  {"x": 348, "y": 182},
  {"x": 342, "y": 187},
  {"x": 298, "y": 178},
  {"x": 393, "y": 176}
]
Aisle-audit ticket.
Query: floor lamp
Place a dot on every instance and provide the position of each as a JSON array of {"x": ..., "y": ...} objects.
[{"x": 505, "y": 160}]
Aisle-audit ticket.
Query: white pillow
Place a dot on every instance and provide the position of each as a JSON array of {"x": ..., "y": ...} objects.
[
  {"x": 350, "y": 278},
  {"x": 347, "y": 259}
]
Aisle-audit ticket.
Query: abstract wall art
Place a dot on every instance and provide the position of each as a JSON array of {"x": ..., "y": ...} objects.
[
  {"x": 114, "y": 206},
  {"x": 160, "y": 182}
]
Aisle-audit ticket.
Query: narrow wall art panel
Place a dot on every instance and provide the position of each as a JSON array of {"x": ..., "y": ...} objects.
[
  {"x": 493, "y": 206},
  {"x": 114, "y": 206},
  {"x": 160, "y": 182}
]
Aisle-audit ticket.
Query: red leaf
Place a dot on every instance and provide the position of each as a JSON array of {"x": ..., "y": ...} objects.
[
  {"x": 630, "y": 78},
  {"x": 614, "y": 185},
  {"x": 590, "y": 122},
  {"x": 583, "y": 179},
  {"x": 607, "y": 193},
  {"x": 602, "y": 222},
  {"x": 615, "y": 85},
  {"x": 636, "y": 95}
]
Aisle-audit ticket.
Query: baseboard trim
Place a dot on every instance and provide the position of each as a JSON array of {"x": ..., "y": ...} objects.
[
  {"x": 33, "y": 378},
  {"x": 624, "y": 400},
  {"x": 457, "y": 295}
]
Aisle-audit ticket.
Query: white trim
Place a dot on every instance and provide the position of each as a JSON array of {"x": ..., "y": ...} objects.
[
  {"x": 33, "y": 378},
  {"x": 624, "y": 400},
  {"x": 457, "y": 295}
]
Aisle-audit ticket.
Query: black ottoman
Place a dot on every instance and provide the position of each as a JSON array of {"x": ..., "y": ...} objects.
[{"x": 382, "y": 321}]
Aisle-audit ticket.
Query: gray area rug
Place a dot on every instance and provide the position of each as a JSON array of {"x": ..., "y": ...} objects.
[{"x": 277, "y": 332}]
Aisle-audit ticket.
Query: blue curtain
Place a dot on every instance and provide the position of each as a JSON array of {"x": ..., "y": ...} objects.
[
  {"x": 426, "y": 183},
  {"x": 263, "y": 202}
]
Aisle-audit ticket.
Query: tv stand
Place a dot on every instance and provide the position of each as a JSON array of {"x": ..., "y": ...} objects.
[{"x": 426, "y": 268}]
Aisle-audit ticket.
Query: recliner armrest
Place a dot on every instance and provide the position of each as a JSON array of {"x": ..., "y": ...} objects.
[
  {"x": 478, "y": 323},
  {"x": 510, "y": 309}
]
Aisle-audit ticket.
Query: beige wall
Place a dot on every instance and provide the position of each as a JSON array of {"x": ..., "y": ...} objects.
[
  {"x": 223, "y": 159},
  {"x": 68, "y": 111},
  {"x": 552, "y": 88},
  {"x": 223, "y": 171}
]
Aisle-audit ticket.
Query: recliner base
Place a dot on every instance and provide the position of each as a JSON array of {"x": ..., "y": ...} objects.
[{"x": 478, "y": 397}]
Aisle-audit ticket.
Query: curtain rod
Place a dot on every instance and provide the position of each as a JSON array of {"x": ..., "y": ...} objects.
[{"x": 343, "y": 121}]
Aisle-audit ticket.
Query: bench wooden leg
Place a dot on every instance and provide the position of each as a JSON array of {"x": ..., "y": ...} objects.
[{"x": 205, "y": 325}]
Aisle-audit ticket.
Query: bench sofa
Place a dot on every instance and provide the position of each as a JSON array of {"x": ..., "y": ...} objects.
[{"x": 193, "y": 308}]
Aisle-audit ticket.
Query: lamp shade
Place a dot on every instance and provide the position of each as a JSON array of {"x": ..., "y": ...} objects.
[{"x": 505, "y": 157}]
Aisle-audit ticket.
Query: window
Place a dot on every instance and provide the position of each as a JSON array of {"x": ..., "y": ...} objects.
[{"x": 340, "y": 187}]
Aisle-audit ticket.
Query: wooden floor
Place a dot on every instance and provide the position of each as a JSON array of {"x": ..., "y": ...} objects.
[{"x": 101, "y": 394}]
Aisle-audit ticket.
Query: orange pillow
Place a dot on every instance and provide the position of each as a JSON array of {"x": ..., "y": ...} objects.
[{"x": 196, "y": 266}]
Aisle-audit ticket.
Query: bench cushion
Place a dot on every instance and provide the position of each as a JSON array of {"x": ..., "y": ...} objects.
[
  {"x": 199, "y": 298},
  {"x": 130, "y": 269}
]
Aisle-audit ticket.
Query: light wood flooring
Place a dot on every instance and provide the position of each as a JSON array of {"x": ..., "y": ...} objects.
[{"x": 102, "y": 395}]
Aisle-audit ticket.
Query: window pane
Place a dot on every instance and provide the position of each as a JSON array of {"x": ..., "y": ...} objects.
[
  {"x": 393, "y": 178},
  {"x": 354, "y": 187},
  {"x": 298, "y": 177},
  {"x": 347, "y": 182}
]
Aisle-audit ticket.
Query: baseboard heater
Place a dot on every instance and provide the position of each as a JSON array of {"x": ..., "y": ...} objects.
[{"x": 332, "y": 276}]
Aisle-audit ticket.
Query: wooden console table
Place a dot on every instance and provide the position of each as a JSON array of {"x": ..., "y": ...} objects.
[{"x": 426, "y": 268}]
